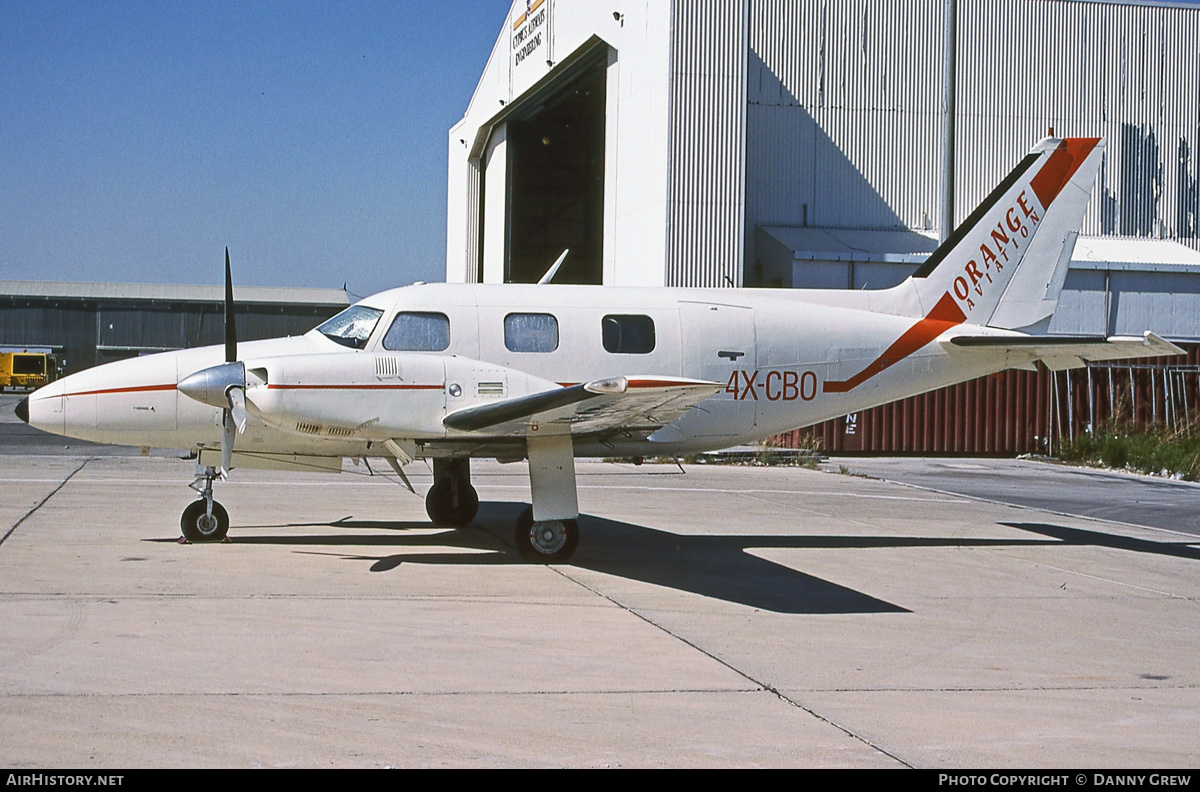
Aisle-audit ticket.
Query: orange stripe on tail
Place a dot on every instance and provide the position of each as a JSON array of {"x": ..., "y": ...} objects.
[{"x": 1061, "y": 166}]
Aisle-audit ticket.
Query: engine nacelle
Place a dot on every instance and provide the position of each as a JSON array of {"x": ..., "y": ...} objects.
[{"x": 375, "y": 395}]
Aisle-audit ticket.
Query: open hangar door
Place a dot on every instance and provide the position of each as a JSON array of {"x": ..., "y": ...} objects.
[{"x": 555, "y": 195}]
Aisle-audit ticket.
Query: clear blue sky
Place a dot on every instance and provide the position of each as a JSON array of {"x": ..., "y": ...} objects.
[{"x": 138, "y": 139}]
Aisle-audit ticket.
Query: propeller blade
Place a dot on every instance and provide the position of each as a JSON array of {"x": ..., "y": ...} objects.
[
  {"x": 230, "y": 326},
  {"x": 237, "y": 408},
  {"x": 227, "y": 429}
]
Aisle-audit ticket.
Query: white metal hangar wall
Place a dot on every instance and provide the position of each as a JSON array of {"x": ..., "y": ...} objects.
[
  {"x": 685, "y": 142},
  {"x": 525, "y": 181}
]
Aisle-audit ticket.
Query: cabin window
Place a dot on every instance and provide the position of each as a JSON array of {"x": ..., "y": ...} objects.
[
  {"x": 628, "y": 334},
  {"x": 416, "y": 331},
  {"x": 352, "y": 327},
  {"x": 530, "y": 332}
]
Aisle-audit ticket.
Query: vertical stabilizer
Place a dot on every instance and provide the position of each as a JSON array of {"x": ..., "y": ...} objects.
[{"x": 1004, "y": 266}]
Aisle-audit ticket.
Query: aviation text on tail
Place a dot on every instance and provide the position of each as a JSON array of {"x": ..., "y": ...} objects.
[{"x": 1004, "y": 266}]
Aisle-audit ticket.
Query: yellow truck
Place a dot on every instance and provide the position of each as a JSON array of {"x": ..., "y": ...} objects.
[{"x": 26, "y": 370}]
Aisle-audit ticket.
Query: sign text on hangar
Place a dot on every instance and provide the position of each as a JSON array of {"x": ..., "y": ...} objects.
[{"x": 530, "y": 33}]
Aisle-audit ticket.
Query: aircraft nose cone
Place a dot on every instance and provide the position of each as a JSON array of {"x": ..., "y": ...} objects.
[{"x": 22, "y": 410}]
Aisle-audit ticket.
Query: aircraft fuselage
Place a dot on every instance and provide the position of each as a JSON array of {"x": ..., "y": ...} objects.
[
  {"x": 778, "y": 358},
  {"x": 548, "y": 373}
]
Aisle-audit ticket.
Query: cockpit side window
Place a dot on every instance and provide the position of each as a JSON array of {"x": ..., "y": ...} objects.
[
  {"x": 352, "y": 327},
  {"x": 418, "y": 331},
  {"x": 628, "y": 334},
  {"x": 530, "y": 332}
]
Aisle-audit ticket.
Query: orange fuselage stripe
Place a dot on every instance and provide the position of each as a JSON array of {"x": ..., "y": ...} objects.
[
  {"x": 102, "y": 392},
  {"x": 945, "y": 314}
]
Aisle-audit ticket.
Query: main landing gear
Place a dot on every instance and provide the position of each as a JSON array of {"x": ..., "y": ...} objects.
[
  {"x": 204, "y": 520},
  {"x": 545, "y": 541},
  {"x": 548, "y": 531}
]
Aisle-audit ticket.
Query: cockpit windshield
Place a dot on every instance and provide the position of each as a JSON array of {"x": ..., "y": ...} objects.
[{"x": 352, "y": 327}]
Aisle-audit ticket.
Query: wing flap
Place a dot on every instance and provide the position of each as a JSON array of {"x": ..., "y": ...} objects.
[{"x": 640, "y": 404}]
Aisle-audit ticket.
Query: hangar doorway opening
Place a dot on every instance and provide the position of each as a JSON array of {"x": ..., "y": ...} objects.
[{"x": 556, "y": 180}]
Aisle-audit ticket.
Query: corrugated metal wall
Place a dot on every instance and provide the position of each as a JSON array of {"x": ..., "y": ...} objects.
[
  {"x": 1125, "y": 72},
  {"x": 706, "y": 204},
  {"x": 1018, "y": 412},
  {"x": 474, "y": 221},
  {"x": 843, "y": 99},
  {"x": 843, "y": 130},
  {"x": 841, "y": 117}
]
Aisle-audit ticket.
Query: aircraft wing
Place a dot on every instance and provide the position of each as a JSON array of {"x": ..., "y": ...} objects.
[
  {"x": 1064, "y": 352},
  {"x": 640, "y": 404}
]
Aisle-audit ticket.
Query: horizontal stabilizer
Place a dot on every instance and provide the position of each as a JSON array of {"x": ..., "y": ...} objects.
[
  {"x": 639, "y": 404},
  {"x": 1064, "y": 352}
]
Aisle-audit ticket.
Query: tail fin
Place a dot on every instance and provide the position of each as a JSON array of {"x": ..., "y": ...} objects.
[{"x": 1004, "y": 266}]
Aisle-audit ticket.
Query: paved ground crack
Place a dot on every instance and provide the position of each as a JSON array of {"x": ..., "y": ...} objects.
[
  {"x": 759, "y": 684},
  {"x": 44, "y": 500}
]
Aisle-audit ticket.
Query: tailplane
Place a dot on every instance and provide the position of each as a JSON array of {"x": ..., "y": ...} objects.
[{"x": 1004, "y": 266}]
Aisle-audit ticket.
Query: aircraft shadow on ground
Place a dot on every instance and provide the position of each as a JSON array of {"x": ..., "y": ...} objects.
[
  {"x": 712, "y": 566},
  {"x": 1078, "y": 536},
  {"x": 717, "y": 566}
]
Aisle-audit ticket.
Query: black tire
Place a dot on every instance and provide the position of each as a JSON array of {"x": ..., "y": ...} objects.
[
  {"x": 548, "y": 542},
  {"x": 196, "y": 525},
  {"x": 441, "y": 509}
]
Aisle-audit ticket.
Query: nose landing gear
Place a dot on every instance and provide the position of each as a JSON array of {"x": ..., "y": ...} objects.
[{"x": 204, "y": 520}]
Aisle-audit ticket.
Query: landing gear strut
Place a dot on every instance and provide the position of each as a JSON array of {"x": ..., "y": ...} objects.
[
  {"x": 204, "y": 520},
  {"x": 452, "y": 500},
  {"x": 548, "y": 531}
]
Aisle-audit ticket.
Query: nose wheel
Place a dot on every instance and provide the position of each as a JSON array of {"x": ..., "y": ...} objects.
[
  {"x": 204, "y": 520},
  {"x": 199, "y": 525},
  {"x": 452, "y": 504},
  {"x": 452, "y": 501}
]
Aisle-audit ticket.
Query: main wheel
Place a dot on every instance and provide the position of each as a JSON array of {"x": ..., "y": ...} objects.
[
  {"x": 199, "y": 527},
  {"x": 441, "y": 507},
  {"x": 545, "y": 542}
]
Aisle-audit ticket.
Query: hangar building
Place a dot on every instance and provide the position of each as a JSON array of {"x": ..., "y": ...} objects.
[
  {"x": 86, "y": 324},
  {"x": 800, "y": 143}
]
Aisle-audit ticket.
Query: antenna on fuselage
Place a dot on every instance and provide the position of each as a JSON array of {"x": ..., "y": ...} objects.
[{"x": 550, "y": 273}]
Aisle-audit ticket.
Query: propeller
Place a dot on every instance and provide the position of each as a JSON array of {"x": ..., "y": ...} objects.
[
  {"x": 223, "y": 386},
  {"x": 234, "y": 416}
]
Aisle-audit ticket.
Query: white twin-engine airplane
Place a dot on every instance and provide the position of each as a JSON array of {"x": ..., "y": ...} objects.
[{"x": 547, "y": 373}]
